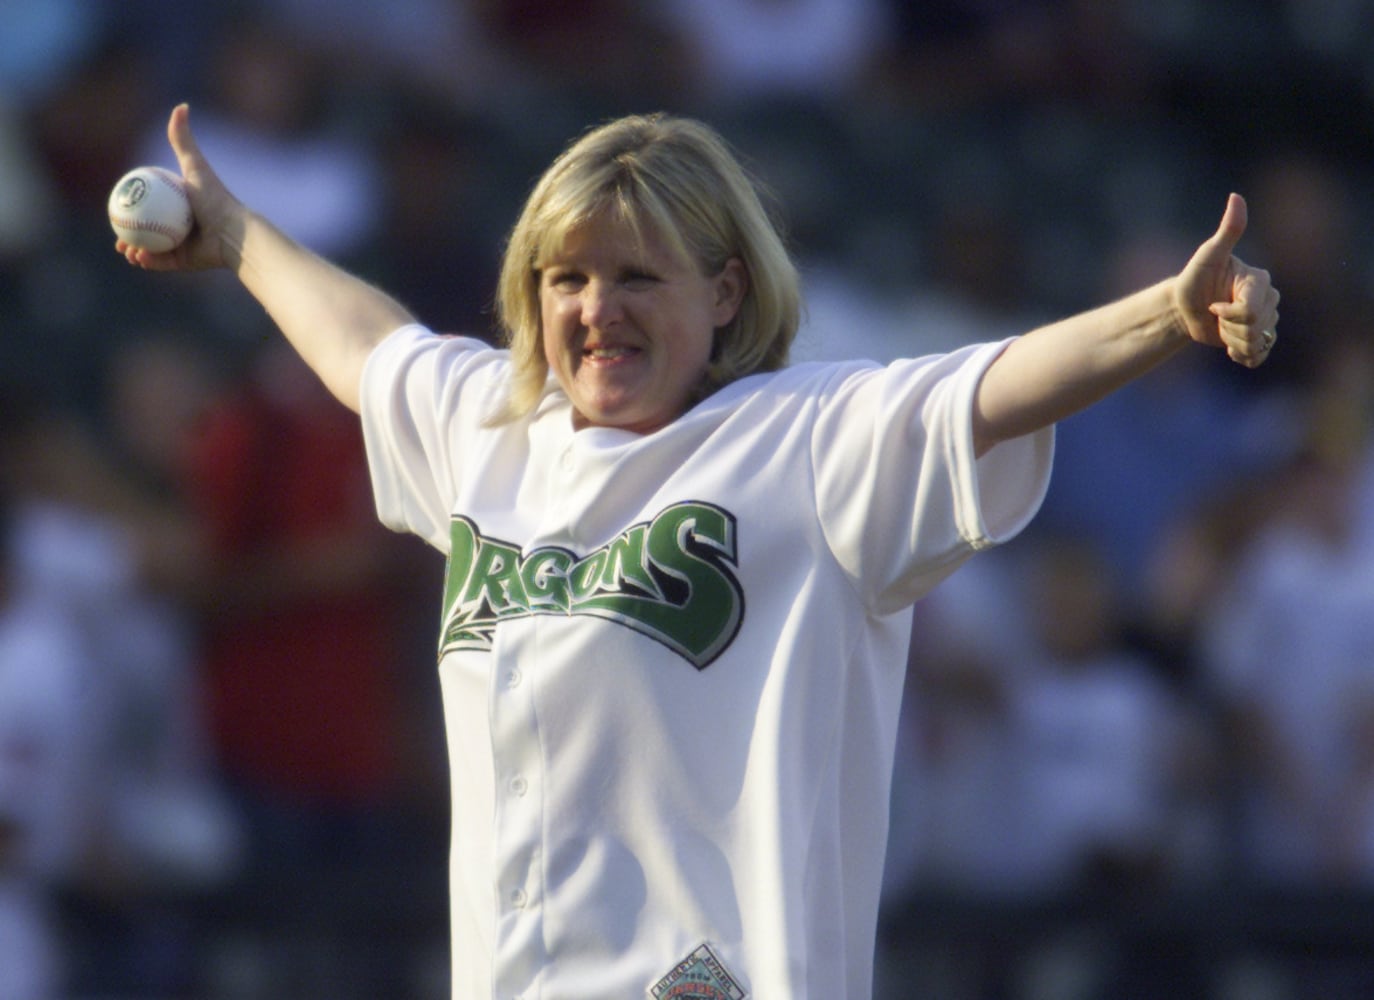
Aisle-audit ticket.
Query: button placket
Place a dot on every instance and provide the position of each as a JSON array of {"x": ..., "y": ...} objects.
[
  {"x": 518, "y": 846},
  {"x": 517, "y": 812}
]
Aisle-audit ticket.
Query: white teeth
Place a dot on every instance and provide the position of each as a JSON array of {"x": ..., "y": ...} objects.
[{"x": 606, "y": 352}]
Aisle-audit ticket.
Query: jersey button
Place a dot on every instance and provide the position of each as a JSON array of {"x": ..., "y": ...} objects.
[
  {"x": 518, "y": 898},
  {"x": 514, "y": 678},
  {"x": 518, "y": 785}
]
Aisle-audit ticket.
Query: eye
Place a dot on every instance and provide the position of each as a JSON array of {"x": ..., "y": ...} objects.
[
  {"x": 638, "y": 280},
  {"x": 565, "y": 281}
]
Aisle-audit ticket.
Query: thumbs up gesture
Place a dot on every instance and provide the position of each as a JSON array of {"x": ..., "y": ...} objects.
[{"x": 1225, "y": 302}]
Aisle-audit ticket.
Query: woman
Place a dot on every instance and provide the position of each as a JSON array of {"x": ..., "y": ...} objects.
[{"x": 674, "y": 631}]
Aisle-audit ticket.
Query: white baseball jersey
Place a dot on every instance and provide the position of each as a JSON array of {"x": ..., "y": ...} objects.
[{"x": 672, "y": 663}]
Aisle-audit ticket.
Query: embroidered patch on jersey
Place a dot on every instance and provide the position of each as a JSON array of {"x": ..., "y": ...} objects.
[{"x": 699, "y": 976}]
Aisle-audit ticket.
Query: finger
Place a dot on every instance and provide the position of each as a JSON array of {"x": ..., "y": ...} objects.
[
  {"x": 1237, "y": 346},
  {"x": 1232, "y": 227},
  {"x": 1254, "y": 299},
  {"x": 143, "y": 258},
  {"x": 183, "y": 141},
  {"x": 1249, "y": 343},
  {"x": 1250, "y": 295},
  {"x": 1216, "y": 251}
]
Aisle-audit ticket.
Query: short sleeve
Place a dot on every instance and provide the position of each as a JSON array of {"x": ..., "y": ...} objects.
[
  {"x": 901, "y": 495},
  {"x": 424, "y": 398}
]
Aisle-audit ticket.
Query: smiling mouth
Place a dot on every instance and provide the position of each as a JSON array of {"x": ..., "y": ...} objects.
[{"x": 607, "y": 353}]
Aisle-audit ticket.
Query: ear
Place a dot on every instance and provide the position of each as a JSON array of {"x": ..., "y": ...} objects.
[{"x": 731, "y": 285}]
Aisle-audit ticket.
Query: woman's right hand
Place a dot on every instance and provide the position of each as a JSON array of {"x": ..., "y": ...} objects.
[{"x": 219, "y": 217}]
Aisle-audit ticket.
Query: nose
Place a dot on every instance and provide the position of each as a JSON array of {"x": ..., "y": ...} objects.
[{"x": 601, "y": 306}]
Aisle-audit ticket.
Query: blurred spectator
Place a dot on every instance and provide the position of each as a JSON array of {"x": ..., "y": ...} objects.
[
  {"x": 954, "y": 793},
  {"x": 579, "y": 60},
  {"x": 314, "y": 714},
  {"x": 174, "y": 814},
  {"x": 1287, "y": 646},
  {"x": 953, "y": 275},
  {"x": 45, "y": 765},
  {"x": 64, "y": 310},
  {"x": 437, "y": 242},
  {"x": 88, "y": 545},
  {"x": 752, "y": 52},
  {"x": 1098, "y": 734},
  {"x": 1191, "y": 560},
  {"x": 27, "y": 202},
  {"x": 88, "y": 126},
  {"x": 1041, "y": 759},
  {"x": 961, "y": 55},
  {"x": 425, "y": 43},
  {"x": 1198, "y": 549},
  {"x": 439, "y": 48},
  {"x": 319, "y": 686},
  {"x": 1149, "y": 455},
  {"x": 1309, "y": 228}
]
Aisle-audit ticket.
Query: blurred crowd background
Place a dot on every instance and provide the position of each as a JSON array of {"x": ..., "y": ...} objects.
[{"x": 1137, "y": 756}]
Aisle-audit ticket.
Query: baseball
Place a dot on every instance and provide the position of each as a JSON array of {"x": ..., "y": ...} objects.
[{"x": 149, "y": 209}]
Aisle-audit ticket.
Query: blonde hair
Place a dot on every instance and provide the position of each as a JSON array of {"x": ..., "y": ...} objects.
[{"x": 679, "y": 178}]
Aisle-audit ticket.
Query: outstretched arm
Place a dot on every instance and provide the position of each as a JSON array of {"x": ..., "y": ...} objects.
[
  {"x": 331, "y": 317},
  {"x": 1057, "y": 370}
]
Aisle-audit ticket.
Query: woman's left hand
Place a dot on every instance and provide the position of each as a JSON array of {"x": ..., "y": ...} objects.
[{"x": 1225, "y": 302}]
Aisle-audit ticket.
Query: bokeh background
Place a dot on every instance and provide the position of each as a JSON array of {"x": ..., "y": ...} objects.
[{"x": 1137, "y": 756}]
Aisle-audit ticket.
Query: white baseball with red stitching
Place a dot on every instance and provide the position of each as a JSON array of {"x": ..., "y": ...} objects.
[{"x": 149, "y": 209}]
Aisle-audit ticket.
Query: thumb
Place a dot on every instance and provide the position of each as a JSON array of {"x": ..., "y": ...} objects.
[
  {"x": 1229, "y": 232},
  {"x": 182, "y": 141}
]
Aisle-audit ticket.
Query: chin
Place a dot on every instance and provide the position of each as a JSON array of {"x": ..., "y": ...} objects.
[{"x": 625, "y": 420}]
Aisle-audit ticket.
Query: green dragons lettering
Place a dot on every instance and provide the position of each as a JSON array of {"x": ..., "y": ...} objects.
[{"x": 671, "y": 579}]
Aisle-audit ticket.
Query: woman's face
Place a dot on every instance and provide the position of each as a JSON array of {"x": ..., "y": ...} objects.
[{"x": 628, "y": 329}]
